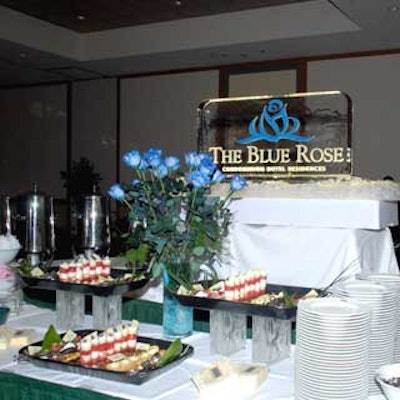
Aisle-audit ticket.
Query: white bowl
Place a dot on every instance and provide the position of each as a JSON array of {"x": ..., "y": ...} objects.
[
  {"x": 8, "y": 255},
  {"x": 386, "y": 372}
]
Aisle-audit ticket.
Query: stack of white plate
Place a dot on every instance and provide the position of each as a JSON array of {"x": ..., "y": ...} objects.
[
  {"x": 382, "y": 301},
  {"x": 391, "y": 280},
  {"x": 332, "y": 348}
]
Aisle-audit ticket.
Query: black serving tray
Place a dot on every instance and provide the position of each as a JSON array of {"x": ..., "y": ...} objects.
[
  {"x": 272, "y": 311},
  {"x": 136, "y": 378},
  {"x": 50, "y": 282}
]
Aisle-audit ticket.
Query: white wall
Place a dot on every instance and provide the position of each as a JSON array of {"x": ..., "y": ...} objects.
[
  {"x": 263, "y": 83},
  {"x": 33, "y": 139},
  {"x": 161, "y": 111},
  {"x": 94, "y": 125},
  {"x": 374, "y": 85}
]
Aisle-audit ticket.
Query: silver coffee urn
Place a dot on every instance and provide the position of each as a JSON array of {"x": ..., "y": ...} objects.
[
  {"x": 35, "y": 227},
  {"x": 93, "y": 225}
]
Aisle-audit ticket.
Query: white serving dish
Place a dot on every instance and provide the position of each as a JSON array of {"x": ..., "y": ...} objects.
[
  {"x": 386, "y": 372},
  {"x": 8, "y": 255}
]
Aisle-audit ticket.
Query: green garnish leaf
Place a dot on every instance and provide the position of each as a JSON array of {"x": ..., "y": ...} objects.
[
  {"x": 50, "y": 338},
  {"x": 288, "y": 300},
  {"x": 173, "y": 351}
]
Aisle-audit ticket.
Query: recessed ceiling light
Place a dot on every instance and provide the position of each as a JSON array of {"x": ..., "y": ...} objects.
[
  {"x": 80, "y": 17},
  {"x": 394, "y": 8},
  {"x": 178, "y": 3}
]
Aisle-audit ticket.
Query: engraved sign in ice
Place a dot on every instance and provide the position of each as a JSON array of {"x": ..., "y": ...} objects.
[
  {"x": 301, "y": 135},
  {"x": 274, "y": 116}
]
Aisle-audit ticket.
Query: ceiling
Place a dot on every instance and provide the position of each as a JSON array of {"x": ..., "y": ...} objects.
[
  {"x": 97, "y": 15},
  {"x": 363, "y": 25}
]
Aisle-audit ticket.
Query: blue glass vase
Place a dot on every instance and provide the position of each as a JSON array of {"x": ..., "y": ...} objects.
[{"x": 177, "y": 319}]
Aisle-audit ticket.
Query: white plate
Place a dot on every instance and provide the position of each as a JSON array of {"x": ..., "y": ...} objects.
[
  {"x": 352, "y": 379},
  {"x": 334, "y": 335},
  {"x": 316, "y": 393},
  {"x": 313, "y": 363},
  {"x": 332, "y": 307},
  {"x": 334, "y": 350},
  {"x": 325, "y": 346}
]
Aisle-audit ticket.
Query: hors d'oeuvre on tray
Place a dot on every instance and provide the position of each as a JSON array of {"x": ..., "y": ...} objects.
[
  {"x": 246, "y": 293},
  {"x": 241, "y": 287},
  {"x": 87, "y": 272},
  {"x": 104, "y": 353}
]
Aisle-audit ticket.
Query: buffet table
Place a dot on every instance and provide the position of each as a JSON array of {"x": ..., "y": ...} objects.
[{"x": 25, "y": 381}]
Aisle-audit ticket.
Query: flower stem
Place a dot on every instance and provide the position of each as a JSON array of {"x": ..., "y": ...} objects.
[
  {"x": 127, "y": 204},
  {"x": 147, "y": 194},
  {"x": 223, "y": 204}
]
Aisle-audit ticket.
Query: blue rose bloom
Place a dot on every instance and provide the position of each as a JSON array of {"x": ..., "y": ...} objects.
[
  {"x": 238, "y": 183},
  {"x": 205, "y": 157},
  {"x": 116, "y": 192},
  {"x": 153, "y": 157},
  {"x": 198, "y": 179},
  {"x": 172, "y": 163},
  {"x": 143, "y": 165},
  {"x": 207, "y": 166},
  {"x": 132, "y": 158},
  {"x": 161, "y": 171},
  {"x": 135, "y": 182},
  {"x": 218, "y": 176},
  {"x": 192, "y": 159}
]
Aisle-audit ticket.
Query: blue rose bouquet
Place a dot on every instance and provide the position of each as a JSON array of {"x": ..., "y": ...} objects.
[{"x": 173, "y": 218}]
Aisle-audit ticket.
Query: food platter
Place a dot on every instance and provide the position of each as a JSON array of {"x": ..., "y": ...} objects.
[
  {"x": 280, "y": 311},
  {"x": 117, "y": 287},
  {"x": 136, "y": 378}
]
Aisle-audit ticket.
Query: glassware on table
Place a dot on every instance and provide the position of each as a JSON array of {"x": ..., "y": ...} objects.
[
  {"x": 11, "y": 295},
  {"x": 177, "y": 319}
]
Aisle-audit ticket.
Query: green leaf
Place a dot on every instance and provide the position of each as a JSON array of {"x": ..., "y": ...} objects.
[
  {"x": 199, "y": 251},
  {"x": 138, "y": 255},
  {"x": 288, "y": 300},
  {"x": 180, "y": 227},
  {"x": 50, "y": 338},
  {"x": 156, "y": 270},
  {"x": 212, "y": 230},
  {"x": 172, "y": 353},
  {"x": 160, "y": 245}
]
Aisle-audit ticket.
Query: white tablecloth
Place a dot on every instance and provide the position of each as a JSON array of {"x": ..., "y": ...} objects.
[
  {"x": 173, "y": 385},
  {"x": 310, "y": 257}
]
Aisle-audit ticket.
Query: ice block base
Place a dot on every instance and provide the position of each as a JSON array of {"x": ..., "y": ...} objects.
[
  {"x": 70, "y": 310},
  {"x": 107, "y": 311},
  {"x": 271, "y": 339},
  {"x": 227, "y": 332}
]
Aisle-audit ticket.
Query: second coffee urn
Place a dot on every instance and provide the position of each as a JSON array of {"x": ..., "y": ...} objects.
[{"x": 93, "y": 225}]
